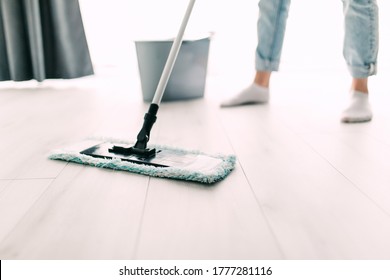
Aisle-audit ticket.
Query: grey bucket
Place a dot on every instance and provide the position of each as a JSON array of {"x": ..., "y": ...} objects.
[{"x": 188, "y": 77}]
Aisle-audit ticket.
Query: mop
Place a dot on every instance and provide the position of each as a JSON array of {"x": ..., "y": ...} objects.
[{"x": 155, "y": 160}]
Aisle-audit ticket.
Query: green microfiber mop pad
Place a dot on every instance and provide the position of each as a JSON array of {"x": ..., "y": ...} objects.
[{"x": 221, "y": 165}]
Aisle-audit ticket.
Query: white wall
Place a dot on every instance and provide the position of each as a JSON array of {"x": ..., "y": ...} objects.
[{"x": 313, "y": 38}]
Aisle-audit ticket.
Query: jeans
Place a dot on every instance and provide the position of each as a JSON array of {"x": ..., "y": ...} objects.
[{"x": 360, "y": 48}]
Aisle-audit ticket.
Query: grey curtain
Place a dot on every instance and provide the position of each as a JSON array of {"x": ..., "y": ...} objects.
[{"x": 42, "y": 39}]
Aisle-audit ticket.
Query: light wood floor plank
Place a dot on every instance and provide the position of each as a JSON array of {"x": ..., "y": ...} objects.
[
  {"x": 38, "y": 122},
  {"x": 314, "y": 210},
  {"x": 16, "y": 198},
  {"x": 185, "y": 221},
  {"x": 4, "y": 184},
  {"x": 360, "y": 158},
  {"x": 87, "y": 213}
]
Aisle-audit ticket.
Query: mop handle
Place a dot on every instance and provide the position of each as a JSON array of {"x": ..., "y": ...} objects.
[{"x": 172, "y": 56}]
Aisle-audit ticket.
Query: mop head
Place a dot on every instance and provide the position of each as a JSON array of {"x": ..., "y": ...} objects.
[{"x": 202, "y": 168}]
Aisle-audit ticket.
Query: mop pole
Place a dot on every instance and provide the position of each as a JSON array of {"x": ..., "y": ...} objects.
[
  {"x": 172, "y": 56},
  {"x": 140, "y": 147}
]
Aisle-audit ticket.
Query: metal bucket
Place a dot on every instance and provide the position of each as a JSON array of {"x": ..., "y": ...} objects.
[{"x": 188, "y": 77}]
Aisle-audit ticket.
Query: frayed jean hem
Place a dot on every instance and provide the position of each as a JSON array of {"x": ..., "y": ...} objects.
[
  {"x": 361, "y": 72},
  {"x": 266, "y": 65}
]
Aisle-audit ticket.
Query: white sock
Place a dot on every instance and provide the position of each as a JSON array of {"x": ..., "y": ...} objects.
[
  {"x": 250, "y": 95},
  {"x": 358, "y": 110}
]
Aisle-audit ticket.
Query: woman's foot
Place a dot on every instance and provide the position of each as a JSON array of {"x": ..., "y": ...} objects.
[
  {"x": 358, "y": 110},
  {"x": 253, "y": 94}
]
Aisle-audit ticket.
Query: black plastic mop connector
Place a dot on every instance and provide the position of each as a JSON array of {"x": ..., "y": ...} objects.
[{"x": 140, "y": 148}]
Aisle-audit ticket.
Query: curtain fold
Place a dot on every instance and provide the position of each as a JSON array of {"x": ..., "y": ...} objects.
[{"x": 42, "y": 39}]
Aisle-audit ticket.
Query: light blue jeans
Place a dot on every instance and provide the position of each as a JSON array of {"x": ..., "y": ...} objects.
[{"x": 361, "y": 37}]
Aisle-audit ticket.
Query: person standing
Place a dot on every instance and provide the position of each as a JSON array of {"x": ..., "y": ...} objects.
[{"x": 360, "y": 50}]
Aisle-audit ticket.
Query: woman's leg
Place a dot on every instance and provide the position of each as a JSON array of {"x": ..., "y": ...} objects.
[
  {"x": 271, "y": 27},
  {"x": 360, "y": 52}
]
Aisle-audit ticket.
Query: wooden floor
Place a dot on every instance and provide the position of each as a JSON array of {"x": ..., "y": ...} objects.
[{"x": 305, "y": 186}]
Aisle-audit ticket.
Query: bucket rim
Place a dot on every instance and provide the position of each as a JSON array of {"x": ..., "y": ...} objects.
[{"x": 189, "y": 38}]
